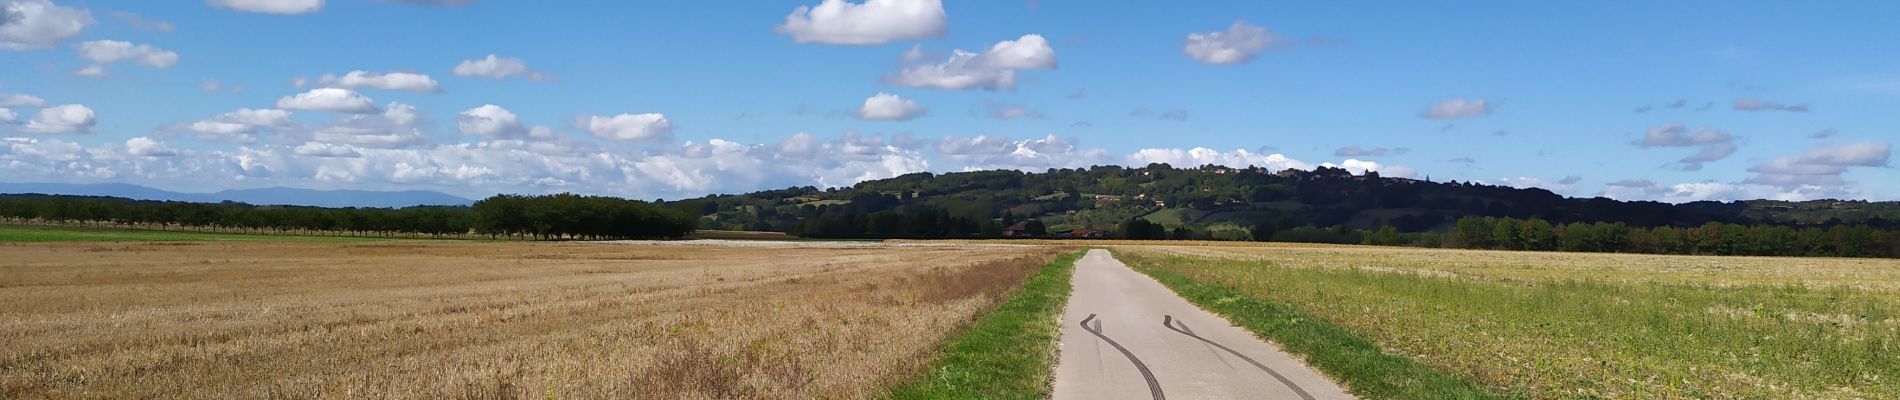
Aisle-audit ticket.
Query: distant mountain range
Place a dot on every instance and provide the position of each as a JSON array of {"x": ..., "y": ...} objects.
[{"x": 262, "y": 196}]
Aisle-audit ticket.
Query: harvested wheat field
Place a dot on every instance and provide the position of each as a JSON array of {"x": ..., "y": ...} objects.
[{"x": 483, "y": 320}]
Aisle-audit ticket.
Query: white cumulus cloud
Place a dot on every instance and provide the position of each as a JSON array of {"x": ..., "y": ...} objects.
[
  {"x": 38, "y": 24},
  {"x": 867, "y": 23},
  {"x": 496, "y": 67},
  {"x": 240, "y": 126},
  {"x": 628, "y": 126},
  {"x": 329, "y": 99},
  {"x": 402, "y": 81},
  {"x": 106, "y": 52},
  {"x": 993, "y": 69},
  {"x": 889, "y": 107},
  {"x": 1239, "y": 44},
  {"x": 146, "y": 147},
  {"x": 69, "y": 118}
]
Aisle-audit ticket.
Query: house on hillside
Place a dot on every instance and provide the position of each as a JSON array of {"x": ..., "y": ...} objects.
[
  {"x": 1016, "y": 230},
  {"x": 1084, "y": 233}
]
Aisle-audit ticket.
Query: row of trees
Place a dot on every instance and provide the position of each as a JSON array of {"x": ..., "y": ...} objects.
[
  {"x": 83, "y": 210},
  {"x": 572, "y": 216},
  {"x": 1712, "y": 238},
  {"x": 560, "y": 216}
]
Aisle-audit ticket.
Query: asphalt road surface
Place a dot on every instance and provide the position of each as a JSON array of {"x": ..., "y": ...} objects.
[{"x": 1125, "y": 336}]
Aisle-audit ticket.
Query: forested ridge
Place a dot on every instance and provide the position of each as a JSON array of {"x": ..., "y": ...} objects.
[
  {"x": 1326, "y": 205},
  {"x": 558, "y": 216}
]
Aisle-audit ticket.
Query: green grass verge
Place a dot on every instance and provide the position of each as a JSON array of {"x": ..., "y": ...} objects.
[
  {"x": 30, "y": 233},
  {"x": 1355, "y": 362},
  {"x": 1009, "y": 353}
]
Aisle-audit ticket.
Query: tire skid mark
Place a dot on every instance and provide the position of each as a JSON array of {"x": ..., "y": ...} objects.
[
  {"x": 1154, "y": 386},
  {"x": 1168, "y": 321}
]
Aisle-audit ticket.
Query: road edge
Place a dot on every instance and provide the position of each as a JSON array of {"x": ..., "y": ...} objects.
[
  {"x": 1360, "y": 366},
  {"x": 1010, "y": 352}
]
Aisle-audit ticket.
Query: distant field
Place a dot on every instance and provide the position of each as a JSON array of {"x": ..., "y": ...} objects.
[
  {"x": 1574, "y": 325},
  {"x": 411, "y": 319},
  {"x": 43, "y": 233}
]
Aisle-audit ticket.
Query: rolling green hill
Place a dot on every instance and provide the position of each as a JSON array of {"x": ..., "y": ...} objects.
[{"x": 1209, "y": 200}]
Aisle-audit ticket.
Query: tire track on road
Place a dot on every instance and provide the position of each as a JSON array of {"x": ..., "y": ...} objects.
[
  {"x": 1154, "y": 385},
  {"x": 1168, "y": 321}
]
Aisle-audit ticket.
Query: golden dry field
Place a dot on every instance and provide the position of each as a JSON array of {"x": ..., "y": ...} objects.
[
  {"x": 484, "y": 320},
  {"x": 1583, "y": 325}
]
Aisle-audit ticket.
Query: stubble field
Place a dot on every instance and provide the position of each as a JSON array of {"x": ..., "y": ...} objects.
[{"x": 484, "y": 320}]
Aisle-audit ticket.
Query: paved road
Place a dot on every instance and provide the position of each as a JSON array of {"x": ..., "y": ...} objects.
[{"x": 1141, "y": 341}]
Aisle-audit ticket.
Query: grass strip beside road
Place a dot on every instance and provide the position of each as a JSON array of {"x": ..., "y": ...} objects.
[
  {"x": 1008, "y": 354},
  {"x": 1355, "y": 362}
]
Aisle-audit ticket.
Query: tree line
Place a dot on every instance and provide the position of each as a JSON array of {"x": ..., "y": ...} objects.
[
  {"x": 559, "y": 216},
  {"x": 1713, "y": 238},
  {"x": 573, "y": 216}
]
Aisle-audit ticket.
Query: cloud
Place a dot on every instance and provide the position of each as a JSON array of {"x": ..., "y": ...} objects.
[
  {"x": 240, "y": 126},
  {"x": 1570, "y": 180},
  {"x": 444, "y": 3},
  {"x": 1823, "y": 134},
  {"x": 397, "y": 126},
  {"x": 329, "y": 99},
  {"x": 993, "y": 69},
  {"x": 326, "y": 150},
  {"x": 8, "y": 117},
  {"x": 1356, "y": 151},
  {"x": 628, "y": 126},
  {"x": 1363, "y": 166},
  {"x": 146, "y": 147},
  {"x": 1646, "y": 190},
  {"x": 142, "y": 23},
  {"x": 1716, "y": 145},
  {"x": 1000, "y": 152},
  {"x": 1457, "y": 108},
  {"x": 1759, "y": 105},
  {"x": 871, "y": 22},
  {"x": 1813, "y": 174},
  {"x": 1239, "y": 44},
  {"x": 106, "y": 52},
  {"x": 214, "y": 86},
  {"x": 402, "y": 81},
  {"x": 1007, "y": 112},
  {"x": 1171, "y": 115},
  {"x": 8, "y": 100},
  {"x": 494, "y": 122},
  {"x": 1822, "y": 165},
  {"x": 38, "y": 24},
  {"x": 496, "y": 67},
  {"x": 889, "y": 107},
  {"x": 1197, "y": 156},
  {"x": 284, "y": 7},
  {"x": 1525, "y": 182},
  {"x": 68, "y": 119},
  {"x": 1467, "y": 161}
]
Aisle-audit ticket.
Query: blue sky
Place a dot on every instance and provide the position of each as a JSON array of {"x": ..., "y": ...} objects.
[{"x": 1674, "y": 101}]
